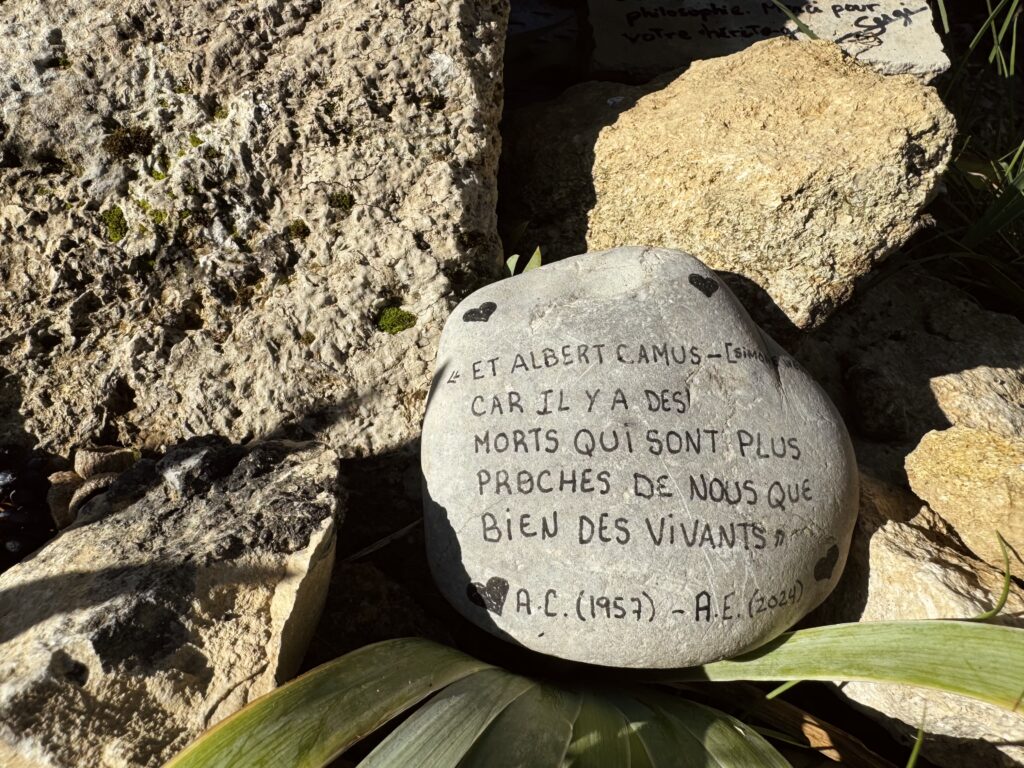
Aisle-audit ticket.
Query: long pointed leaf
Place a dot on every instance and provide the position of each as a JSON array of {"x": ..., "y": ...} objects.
[
  {"x": 534, "y": 732},
  {"x": 600, "y": 738},
  {"x": 802, "y": 727},
  {"x": 722, "y": 740},
  {"x": 311, "y": 720},
  {"x": 441, "y": 733},
  {"x": 983, "y": 661},
  {"x": 652, "y": 734}
]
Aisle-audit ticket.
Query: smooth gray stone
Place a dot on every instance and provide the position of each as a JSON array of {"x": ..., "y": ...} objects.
[
  {"x": 722, "y": 514},
  {"x": 647, "y": 37}
]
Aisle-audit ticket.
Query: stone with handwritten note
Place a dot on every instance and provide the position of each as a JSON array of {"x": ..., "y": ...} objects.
[
  {"x": 646, "y": 37},
  {"x": 621, "y": 468}
]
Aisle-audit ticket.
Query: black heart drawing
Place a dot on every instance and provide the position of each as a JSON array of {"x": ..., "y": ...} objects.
[
  {"x": 706, "y": 285},
  {"x": 492, "y": 597},
  {"x": 824, "y": 567},
  {"x": 480, "y": 314}
]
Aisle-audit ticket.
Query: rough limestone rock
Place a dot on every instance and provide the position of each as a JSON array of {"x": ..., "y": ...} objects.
[
  {"x": 907, "y": 563},
  {"x": 204, "y": 209},
  {"x": 186, "y": 590},
  {"x": 787, "y": 163},
  {"x": 94, "y": 486},
  {"x": 912, "y": 355},
  {"x": 107, "y": 459},
  {"x": 63, "y": 487},
  {"x": 975, "y": 480},
  {"x": 620, "y": 468}
]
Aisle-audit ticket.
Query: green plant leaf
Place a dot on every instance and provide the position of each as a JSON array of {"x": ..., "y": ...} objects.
[
  {"x": 481, "y": 710},
  {"x": 796, "y": 20},
  {"x": 600, "y": 738},
  {"x": 944, "y": 16},
  {"x": 916, "y": 751},
  {"x": 513, "y": 262},
  {"x": 311, "y": 720},
  {"x": 443, "y": 731},
  {"x": 535, "y": 730},
  {"x": 651, "y": 739},
  {"x": 534, "y": 262},
  {"x": 722, "y": 740},
  {"x": 1005, "y": 209},
  {"x": 996, "y": 609},
  {"x": 983, "y": 661}
]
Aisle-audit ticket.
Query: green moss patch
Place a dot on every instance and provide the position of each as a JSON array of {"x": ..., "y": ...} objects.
[
  {"x": 297, "y": 230},
  {"x": 117, "y": 227},
  {"x": 341, "y": 201},
  {"x": 122, "y": 143},
  {"x": 395, "y": 320}
]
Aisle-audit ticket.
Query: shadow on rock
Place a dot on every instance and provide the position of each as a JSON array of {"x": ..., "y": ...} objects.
[
  {"x": 910, "y": 354},
  {"x": 546, "y": 189}
]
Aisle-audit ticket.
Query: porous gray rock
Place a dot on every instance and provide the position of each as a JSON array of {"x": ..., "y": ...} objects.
[
  {"x": 186, "y": 590},
  {"x": 205, "y": 208},
  {"x": 620, "y": 468},
  {"x": 787, "y": 164},
  {"x": 907, "y": 563}
]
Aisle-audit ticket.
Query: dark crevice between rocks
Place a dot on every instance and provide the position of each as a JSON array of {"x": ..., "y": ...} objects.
[{"x": 25, "y": 521}]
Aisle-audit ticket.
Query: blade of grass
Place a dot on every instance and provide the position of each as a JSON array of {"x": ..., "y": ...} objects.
[
  {"x": 381, "y": 543},
  {"x": 916, "y": 751},
  {"x": 782, "y": 689},
  {"x": 1013, "y": 51},
  {"x": 944, "y": 16},
  {"x": 796, "y": 20},
  {"x": 1011, "y": 15},
  {"x": 958, "y": 72},
  {"x": 1001, "y": 602}
]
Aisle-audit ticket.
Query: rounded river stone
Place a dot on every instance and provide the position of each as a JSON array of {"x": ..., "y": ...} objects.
[{"x": 621, "y": 468}]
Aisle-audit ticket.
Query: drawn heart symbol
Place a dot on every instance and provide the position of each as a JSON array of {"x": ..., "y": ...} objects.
[
  {"x": 480, "y": 314},
  {"x": 824, "y": 567},
  {"x": 705, "y": 285},
  {"x": 492, "y": 597}
]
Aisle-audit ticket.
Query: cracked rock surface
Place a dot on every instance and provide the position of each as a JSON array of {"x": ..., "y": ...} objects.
[
  {"x": 205, "y": 208},
  {"x": 185, "y": 591}
]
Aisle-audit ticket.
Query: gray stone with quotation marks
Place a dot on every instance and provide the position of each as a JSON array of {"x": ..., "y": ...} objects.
[{"x": 621, "y": 468}]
